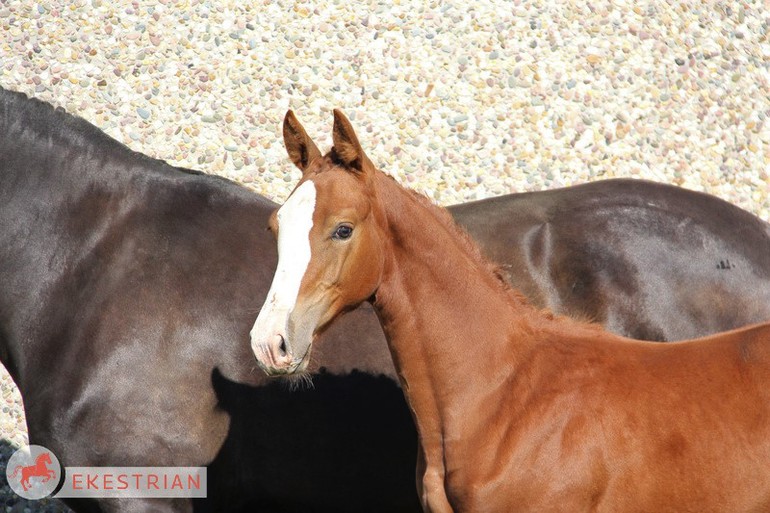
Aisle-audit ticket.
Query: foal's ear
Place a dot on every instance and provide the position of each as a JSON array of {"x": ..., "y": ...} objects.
[
  {"x": 346, "y": 146},
  {"x": 301, "y": 148}
]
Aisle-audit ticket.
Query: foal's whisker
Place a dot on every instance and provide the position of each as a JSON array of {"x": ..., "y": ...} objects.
[{"x": 300, "y": 381}]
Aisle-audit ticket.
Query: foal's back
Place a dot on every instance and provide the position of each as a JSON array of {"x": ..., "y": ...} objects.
[{"x": 615, "y": 417}]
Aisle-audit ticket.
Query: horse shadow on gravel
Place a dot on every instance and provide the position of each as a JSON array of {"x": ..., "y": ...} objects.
[{"x": 348, "y": 443}]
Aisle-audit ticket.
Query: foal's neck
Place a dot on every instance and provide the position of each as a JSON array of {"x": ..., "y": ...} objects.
[{"x": 451, "y": 323}]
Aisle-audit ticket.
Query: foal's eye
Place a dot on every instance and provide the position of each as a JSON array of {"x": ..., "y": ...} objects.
[{"x": 343, "y": 232}]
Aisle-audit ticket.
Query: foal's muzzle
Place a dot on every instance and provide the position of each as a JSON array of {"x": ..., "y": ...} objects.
[
  {"x": 281, "y": 339},
  {"x": 276, "y": 359}
]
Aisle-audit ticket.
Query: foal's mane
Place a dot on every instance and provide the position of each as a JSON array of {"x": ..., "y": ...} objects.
[
  {"x": 470, "y": 246},
  {"x": 513, "y": 296}
]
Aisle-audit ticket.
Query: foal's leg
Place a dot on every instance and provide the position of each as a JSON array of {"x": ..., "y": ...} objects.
[
  {"x": 433, "y": 496},
  {"x": 430, "y": 485}
]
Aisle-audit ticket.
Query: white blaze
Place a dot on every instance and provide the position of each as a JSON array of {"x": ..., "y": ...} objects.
[{"x": 295, "y": 219}]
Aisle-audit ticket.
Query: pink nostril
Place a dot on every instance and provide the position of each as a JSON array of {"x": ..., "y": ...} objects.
[
  {"x": 273, "y": 355},
  {"x": 279, "y": 351}
]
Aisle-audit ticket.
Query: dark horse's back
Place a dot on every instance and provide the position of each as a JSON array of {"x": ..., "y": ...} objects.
[
  {"x": 127, "y": 291},
  {"x": 647, "y": 260},
  {"x": 128, "y": 288}
]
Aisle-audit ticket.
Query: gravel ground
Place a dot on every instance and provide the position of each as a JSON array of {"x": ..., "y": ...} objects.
[{"x": 461, "y": 100}]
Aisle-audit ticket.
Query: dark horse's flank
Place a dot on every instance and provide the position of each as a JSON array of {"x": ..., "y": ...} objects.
[
  {"x": 128, "y": 288},
  {"x": 648, "y": 261}
]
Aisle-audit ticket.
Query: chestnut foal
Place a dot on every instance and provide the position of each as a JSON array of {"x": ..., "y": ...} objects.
[{"x": 517, "y": 410}]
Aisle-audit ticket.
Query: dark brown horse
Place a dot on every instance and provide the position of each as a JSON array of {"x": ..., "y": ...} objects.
[
  {"x": 516, "y": 409},
  {"x": 128, "y": 288}
]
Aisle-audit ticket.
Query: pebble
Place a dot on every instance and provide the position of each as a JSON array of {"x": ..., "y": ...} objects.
[{"x": 541, "y": 95}]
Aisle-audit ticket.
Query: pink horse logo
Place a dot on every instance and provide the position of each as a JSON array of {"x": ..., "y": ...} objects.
[
  {"x": 35, "y": 472},
  {"x": 39, "y": 469}
]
